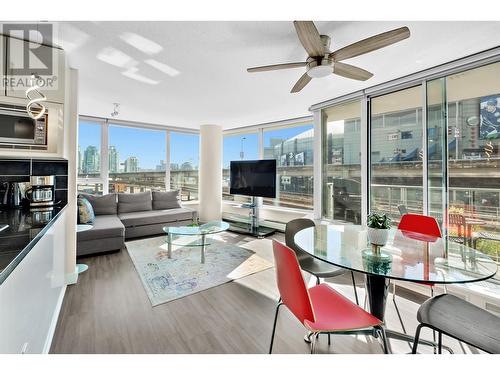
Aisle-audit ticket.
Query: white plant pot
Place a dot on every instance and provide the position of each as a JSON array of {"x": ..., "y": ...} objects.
[{"x": 378, "y": 236}]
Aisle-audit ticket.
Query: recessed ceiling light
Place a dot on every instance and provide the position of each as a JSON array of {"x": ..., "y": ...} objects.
[
  {"x": 163, "y": 67},
  {"x": 132, "y": 73},
  {"x": 116, "y": 57},
  {"x": 142, "y": 44}
]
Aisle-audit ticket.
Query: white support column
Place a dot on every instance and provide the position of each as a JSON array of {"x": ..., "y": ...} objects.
[
  {"x": 70, "y": 152},
  {"x": 210, "y": 173},
  {"x": 318, "y": 165}
]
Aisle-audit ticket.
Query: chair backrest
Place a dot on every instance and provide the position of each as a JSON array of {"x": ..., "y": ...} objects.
[
  {"x": 292, "y": 227},
  {"x": 291, "y": 284},
  {"x": 458, "y": 221},
  {"x": 420, "y": 224}
]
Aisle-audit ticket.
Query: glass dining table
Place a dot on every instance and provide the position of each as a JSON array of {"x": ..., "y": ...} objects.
[{"x": 407, "y": 256}]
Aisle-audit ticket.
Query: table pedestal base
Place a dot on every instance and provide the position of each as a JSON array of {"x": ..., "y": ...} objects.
[{"x": 377, "y": 289}]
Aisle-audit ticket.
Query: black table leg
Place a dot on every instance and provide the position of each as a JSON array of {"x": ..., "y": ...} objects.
[{"x": 377, "y": 288}]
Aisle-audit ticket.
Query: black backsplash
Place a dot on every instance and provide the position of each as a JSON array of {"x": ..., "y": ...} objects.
[{"x": 20, "y": 170}]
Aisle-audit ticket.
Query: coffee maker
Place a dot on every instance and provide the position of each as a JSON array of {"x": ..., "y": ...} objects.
[{"x": 41, "y": 193}]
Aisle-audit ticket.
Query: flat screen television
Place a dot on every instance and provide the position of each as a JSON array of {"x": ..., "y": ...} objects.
[{"x": 255, "y": 178}]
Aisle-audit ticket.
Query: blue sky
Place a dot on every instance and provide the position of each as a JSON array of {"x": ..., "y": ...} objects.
[{"x": 149, "y": 145}]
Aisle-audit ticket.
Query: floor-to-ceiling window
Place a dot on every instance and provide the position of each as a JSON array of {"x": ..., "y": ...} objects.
[
  {"x": 396, "y": 135},
  {"x": 128, "y": 157},
  {"x": 184, "y": 161},
  {"x": 473, "y": 145},
  {"x": 89, "y": 157},
  {"x": 240, "y": 146},
  {"x": 341, "y": 138},
  {"x": 292, "y": 147},
  {"x": 136, "y": 158}
]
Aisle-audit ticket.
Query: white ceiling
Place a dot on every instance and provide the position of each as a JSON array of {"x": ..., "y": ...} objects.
[{"x": 212, "y": 85}]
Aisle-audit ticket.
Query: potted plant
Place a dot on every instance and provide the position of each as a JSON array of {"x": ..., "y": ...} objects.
[{"x": 378, "y": 228}]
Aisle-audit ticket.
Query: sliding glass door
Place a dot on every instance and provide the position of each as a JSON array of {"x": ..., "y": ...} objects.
[
  {"x": 341, "y": 135},
  {"x": 473, "y": 154},
  {"x": 396, "y": 134}
]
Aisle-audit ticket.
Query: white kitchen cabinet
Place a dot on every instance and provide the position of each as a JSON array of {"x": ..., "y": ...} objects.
[
  {"x": 14, "y": 48},
  {"x": 31, "y": 296}
]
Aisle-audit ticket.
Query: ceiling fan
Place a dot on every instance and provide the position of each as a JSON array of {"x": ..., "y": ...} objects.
[{"x": 321, "y": 62}]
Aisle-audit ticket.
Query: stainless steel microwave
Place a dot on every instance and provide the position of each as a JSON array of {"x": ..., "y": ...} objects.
[{"x": 19, "y": 130}]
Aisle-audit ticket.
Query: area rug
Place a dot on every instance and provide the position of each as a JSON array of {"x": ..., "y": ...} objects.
[{"x": 167, "y": 279}]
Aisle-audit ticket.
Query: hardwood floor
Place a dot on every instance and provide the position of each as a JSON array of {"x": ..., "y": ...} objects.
[{"x": 108, "y": 311}]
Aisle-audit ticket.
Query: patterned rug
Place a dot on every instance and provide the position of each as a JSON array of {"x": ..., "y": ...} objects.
[{"x": 169, "y": 279}]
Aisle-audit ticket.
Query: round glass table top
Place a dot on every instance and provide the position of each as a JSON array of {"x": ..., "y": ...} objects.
[
  {"x": 406, "y": 256},
  {"x": 211, "y": 227}
]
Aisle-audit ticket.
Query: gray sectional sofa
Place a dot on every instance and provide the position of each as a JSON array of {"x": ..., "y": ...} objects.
[{"x": 124, "y": 216}]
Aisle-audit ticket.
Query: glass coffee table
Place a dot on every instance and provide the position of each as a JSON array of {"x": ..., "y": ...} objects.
[{"x": 176, "y": 234}]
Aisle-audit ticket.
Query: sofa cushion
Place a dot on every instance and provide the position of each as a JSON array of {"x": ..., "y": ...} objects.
[
  {"x": 85, "y": 211},
  {"x": 105, "y": 226},
  {"x": 102, "y": 204},
  {"x": 134, "y": 202},
  {"x": 156, "y": 216},
  {"x": 163, "y": 200}
]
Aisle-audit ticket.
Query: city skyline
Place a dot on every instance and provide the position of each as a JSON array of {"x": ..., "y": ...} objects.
[
  {"x": 149, "y": 146},
  {"x": 89, "y": 162}
]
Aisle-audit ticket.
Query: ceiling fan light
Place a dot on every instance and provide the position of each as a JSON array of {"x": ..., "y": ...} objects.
[{"x": 320, "y": 71}]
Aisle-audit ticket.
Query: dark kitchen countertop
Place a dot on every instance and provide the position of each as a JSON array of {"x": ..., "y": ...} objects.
[{"x": 21, "y": 236}]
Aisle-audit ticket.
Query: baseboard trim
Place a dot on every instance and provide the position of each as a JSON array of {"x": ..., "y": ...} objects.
[{"x": 53, "y": 323}]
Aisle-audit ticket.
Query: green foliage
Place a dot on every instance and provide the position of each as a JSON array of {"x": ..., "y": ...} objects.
[
  {"x": 379, "y": 221},
  {"x": 193, "y": 225},
  {"x": 456, "y": 210}
]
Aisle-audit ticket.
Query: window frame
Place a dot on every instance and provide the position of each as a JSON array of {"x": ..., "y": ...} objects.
[{"x": 104, "y": 151}]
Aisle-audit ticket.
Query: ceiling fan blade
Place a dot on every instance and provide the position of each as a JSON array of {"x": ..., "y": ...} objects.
[
  {"x": 276, "y": 67},
  {"x": 301, "y": 83},
  {"x": 309, "y": 37},
  {"x": 350, "y": 71},
  {"x": 371, "y": 44}
]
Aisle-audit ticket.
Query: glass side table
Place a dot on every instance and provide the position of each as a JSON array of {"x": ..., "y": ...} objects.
[{"x": 201, "y": 231}]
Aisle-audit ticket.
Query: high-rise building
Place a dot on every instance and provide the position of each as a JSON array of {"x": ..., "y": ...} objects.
[
  {"x": 80, "y": 160},
  {"x": 114, "y": 160},
  {"x": 131, "y": 164},
  {"x": 174, "y": 166},
  {"x": 162, "y": 166},
  {"x": 91, "y": 160},
  {"x": 187, "y": 166}
]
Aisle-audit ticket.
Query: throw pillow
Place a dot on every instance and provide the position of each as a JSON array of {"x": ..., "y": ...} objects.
[
  {"x": 165, "y": 200},
  {"x": 85, "y": 212},
  {"x": 102, "y": 204}
]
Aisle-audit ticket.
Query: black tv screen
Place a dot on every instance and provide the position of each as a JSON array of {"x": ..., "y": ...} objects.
[{"x": 255, "y": 178}]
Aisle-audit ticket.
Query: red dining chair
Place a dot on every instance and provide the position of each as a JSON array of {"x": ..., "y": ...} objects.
[
  {"x": 320, "y": 309},
  {"x": 422, "y": 227},
  {"x": 421, "y": 224}
]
